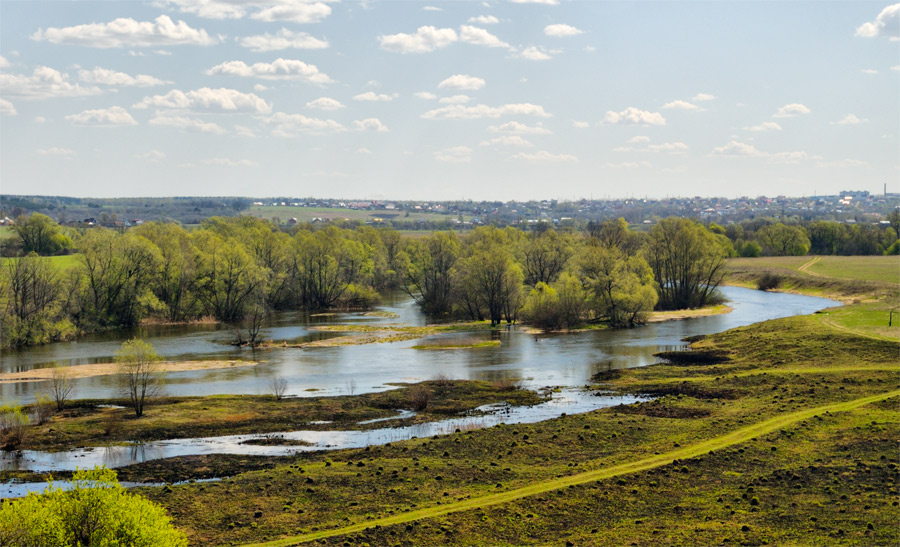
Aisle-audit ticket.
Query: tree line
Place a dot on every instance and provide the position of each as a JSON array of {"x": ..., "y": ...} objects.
[{"x": 242, "y": 268}]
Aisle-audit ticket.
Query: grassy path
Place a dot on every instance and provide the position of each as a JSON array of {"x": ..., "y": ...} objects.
[
  {"x": 831, "y": 324},
  {"x": 741, "y": 435},
  {"x": 806, "y": 265}
]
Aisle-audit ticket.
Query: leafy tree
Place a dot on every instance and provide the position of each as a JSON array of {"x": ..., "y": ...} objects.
[
  {"x": 781, "y": 240},
  {"x": 556, "y": 307},
  {"x": 30, "y": 291},
  {"x": 172, "y": 282},
  {"x": 39, "y": 234},
  {"x": 688, "y": 262},
  {"x": 490, "y": 279},
  {"x": 97, "y": 510},
  {"x": 621, "y": 287},
  {"x": 326, "y": 264},
  {"x": 227, "y": 276},
  {"x": 139, "y": 375},
  {"x": 545, "y": 257},
  {"x": 429, "y": 262}
]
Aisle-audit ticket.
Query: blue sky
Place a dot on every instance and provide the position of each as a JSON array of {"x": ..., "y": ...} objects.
[{"x": 448, "y": 100}]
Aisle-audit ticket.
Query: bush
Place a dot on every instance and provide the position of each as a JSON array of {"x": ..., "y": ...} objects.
[
  {"x": 13, "y": 428},
  {"x": 44, "y": 408},
  {"x": 768, "y": 281},
  {"x": 419, "y": 397},
  {"x": 359, "y": 297}
]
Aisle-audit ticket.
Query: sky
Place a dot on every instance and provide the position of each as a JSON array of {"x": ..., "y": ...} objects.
[{"x": 496, "y": 100}]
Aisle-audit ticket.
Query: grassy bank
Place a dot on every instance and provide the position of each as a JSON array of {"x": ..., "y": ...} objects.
[{"x": 84, "y": 424}]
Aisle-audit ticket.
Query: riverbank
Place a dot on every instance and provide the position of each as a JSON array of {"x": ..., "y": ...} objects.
[{"x": 106, "y": 369}]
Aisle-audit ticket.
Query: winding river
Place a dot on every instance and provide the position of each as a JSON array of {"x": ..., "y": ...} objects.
[{"x": 535, "y": 361}]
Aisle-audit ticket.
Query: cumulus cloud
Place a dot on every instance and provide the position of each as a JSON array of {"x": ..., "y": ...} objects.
[
  {"x": 765, "y": 126},
  {"x": 371, "y": 96},
  {"x": 886, "y": 24},
  {"x": 228, "y": 162},
  {"x": 290, "y": 125},
  {"x": 325, "y": 103},
  {"x": 508, "y": 140},
  {"x": 455, "y": 154},
  {"x": 115, "y": 116},
  {"x": 580, "y": 124},
  {"x": 534, "y": 54},
  {"x": 425, "y": 95},
  {"x": 370, "y": 124},
  {"x": 4, "y": 62},
  {"x": 736, "y": 148},
  {"x": 517, "y": 128},
  {"x": 542, "y": 156},
  {"x": 560, "y": 30},
  {"x": 297, "y": 11},
  {"x": 151, "y": 156},
  {"x": 126, "y": 32},
  {"x": 7, "y": 108},
  {"x": 484, "y": 20},
  {"x": 843, "y": 163},
  {"x": 869, "y": 71},
  {"x": 425, "y": 39},
  {"x": 364, "y": 151},
  {"x": 188, "y": 124},
  {"x": 480, "y": 37},
  {"x": 460, "y": 112},
  {"x": 244, "y": 131},
  {"x": 103, "y": 76},
  {"x": 283, "y": 39},
  {"x": 850, "y": 119},
  {"x": 681, "y": 105},
  {"x": 455, "y": 99},
  {"x": 222, "y": 99},
  {"x": 463, "y": 81},
  {"x": 701, "y": 97},
  {"x": 632, "y": 115},
  {"x": 44, "y": 83},
  {"x": 55, "y": 151},
  {"x": 294, "y": 12},
  {"x": 628, "y": 165},
  {"x": 673, "y": 147},
  {"x": 638, "y": 139},
  {"x": 279, "y": 69},
  {"x": 431, "y": 8},
  {"x": 791, "y": 110}
]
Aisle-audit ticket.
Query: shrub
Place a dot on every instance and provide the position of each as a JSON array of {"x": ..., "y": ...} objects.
[
  {"x": 768, "y": 281},
  {"x": 419, "y": 397},
  {"x": 44, "y": 408},
  {"x": 13, "y": 427}
]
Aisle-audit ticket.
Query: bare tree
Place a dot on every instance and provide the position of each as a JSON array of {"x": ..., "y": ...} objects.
[
  {"x": 139, "y": 375},
  {"x": 278, "y": 386},
  {"x": 61, "y": 385}
]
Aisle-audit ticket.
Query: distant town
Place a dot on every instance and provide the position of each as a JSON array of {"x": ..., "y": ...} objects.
[{"x": 848, "y": 206}]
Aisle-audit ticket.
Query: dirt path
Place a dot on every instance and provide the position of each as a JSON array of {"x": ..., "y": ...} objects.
[
  {"x": 806, "y": 265},
  {"x": 717, "y": 443},
  {"x": 825, "y": 320},
  {"x": 104, "y": 369}
]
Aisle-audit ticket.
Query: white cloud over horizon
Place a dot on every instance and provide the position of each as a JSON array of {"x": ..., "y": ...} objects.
[{"x": 126, "y": 32}]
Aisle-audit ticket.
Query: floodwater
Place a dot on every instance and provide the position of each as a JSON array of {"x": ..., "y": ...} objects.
[{"x": 535, "y": 361}]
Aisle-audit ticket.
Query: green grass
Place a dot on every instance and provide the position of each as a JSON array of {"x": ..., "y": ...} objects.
[
  {"x": 6, "y": 232},
  {"x": 865, "y": 268},
  {"x": 61, "y": 263}
]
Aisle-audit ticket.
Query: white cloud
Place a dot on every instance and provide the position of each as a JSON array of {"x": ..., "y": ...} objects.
[
  {"x": 736, "y": 148},
  {"x": 681, "y": 105},
  {"x": 886, "y": 24},
  {"x": 425, "y": 95},
  {"x": 228, "y": 162},
  {"x": 7, "y": 108},
  {"x": 364, "y": 151},
  {"x": 43, "y": 83},
  {"x": 632, "y": 115},
  {"x": 283, "y": 39},
  {"x": 370, "y": 124},
  {"x": 151, "y": 156},
  {"x": 850, "y": 119},
  {"x": 479, "y": 37},
  {"x": 534, "y": 54},
  {"x": 701, "y": 97},
  {"x": 791, "y": 110},
  {"x": 544, "y": 2},
  {"x": 243, "y": 131},
  {"x": 628, "y": 165},
  {"x": 463, "y": 81},
  {"x": 431, "y": 8},
  {"x": 542, "y": 156},
  {"x": 259, "y": 88},
  {"x": 289, "y": 125},
  {"x": 843, "y": 163},
  {"x": 426, "y": 39},
  {"x": 4, "y": 62},
  {"x": 222, "y": 99},
  {"x": 765, "y": 126},
  {"x": 126, "y": 32},
  {"x": 279, "y": 69},
  {"x": 517, "y": 128},
  {"x": 325, "y": 103},
  {"x": 460, "y": 112},
  {"x": 508, "y": 140},
  {"x": 295, "y": 12},
  {"x": 484, "y": 20},
  {"x": 298, "y": 11},
  {"x": 560, "y": 30},
  {"x": 103, "y": 76},
  {"x": 40, "y": 119},
  {"x": 188, "y": 124},
  {"x": 455, "y": 154},
  {"x": 55, "y": 151},
  {"x": 789, "y": 157},
  {"x": 674, "y": 147},
  {"x": 370, "y": 96},
  {"x": 895, "y": 67},
  {"x": 115, "y": 116},
  {"x": 578, "y": 124},
  {"x": 455, "y": 99},
  {"x": 638, "y": 139},
  {"x": 162, "y": 52},
  {"x": 869, "y": 71}
]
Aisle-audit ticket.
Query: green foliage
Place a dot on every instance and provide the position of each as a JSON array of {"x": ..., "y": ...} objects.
[
  {"x": 545, "y": 256},
  {"x": 561, "y": 306},
  {"x": 781, "y": 240},
  {"x": 13, "y": 426},
  {"x": 621, "y": 287},
  {"x": 139, "y": 377},
  {"x": 490, "y": 279},
  {"x": 750, "y": 249},
  {"x": 39, "y": 234},
  {"x": 30, "y": 301},
  {"x": 427, "y": 266},
  {"x": 96, "y": 511}
]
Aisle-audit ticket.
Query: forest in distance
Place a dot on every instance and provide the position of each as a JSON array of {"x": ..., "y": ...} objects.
[{"x": 238, "y": 270}]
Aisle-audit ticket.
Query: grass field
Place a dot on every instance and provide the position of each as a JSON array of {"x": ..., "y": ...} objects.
[
  {"x": 62, "y": 263},
  {"x": 6, "y": 232},
  {"x": 884, "y": 269},
  {"x": 306, "y": 214}
]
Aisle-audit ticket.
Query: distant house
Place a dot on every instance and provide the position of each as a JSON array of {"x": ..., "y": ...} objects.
[
  {"x": 292, "y": 221},
  {"x": 6, "y": 221},
  {"x": 136, "y": 222}
]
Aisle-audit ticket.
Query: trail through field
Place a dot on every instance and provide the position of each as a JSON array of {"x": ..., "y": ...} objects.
[
  {"x": 806, "y": 265},
  {"x": 828, "y": 322},
  {"x": 741, "y": 435}
]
